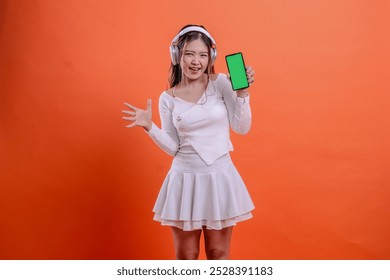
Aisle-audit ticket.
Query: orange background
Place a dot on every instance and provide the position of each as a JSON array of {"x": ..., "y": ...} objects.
[{"x": 76, "y": 184}]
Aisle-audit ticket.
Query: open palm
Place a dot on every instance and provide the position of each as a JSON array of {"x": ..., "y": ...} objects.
[{"x": 138, "y": 116}]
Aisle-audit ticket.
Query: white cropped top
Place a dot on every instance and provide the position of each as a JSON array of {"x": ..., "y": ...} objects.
[{"x": 204, "y": 125}]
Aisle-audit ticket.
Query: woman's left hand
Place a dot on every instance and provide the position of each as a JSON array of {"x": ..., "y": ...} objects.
[{"x": 250, "y": 76}]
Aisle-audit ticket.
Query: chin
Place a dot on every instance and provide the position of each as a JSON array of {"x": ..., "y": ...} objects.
[{"x": 192, "y": 76}]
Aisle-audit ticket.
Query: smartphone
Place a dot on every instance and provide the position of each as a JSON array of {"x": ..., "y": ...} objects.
[{"x": 236, "y": 66}]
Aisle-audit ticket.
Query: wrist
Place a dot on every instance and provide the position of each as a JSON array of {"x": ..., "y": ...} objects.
[
  {"x": 148, "y": 127},
  {"x": 242, "y": 93}
]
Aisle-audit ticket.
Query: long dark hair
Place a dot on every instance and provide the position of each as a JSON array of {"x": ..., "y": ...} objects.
[{"x": 175, "y": 70}]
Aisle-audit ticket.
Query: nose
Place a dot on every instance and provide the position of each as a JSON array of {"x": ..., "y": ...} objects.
[{"x": 195, "y": 60}]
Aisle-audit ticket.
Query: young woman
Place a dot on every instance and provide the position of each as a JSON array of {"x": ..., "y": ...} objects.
[{"x": 203, "y": 190}]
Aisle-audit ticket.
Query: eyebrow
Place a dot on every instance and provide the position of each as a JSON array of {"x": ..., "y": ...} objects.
[{"x": 195, "y": 51}]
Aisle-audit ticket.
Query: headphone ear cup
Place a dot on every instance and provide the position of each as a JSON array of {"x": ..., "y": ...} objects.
[
  {"x": 174, "y": 54},
  {"x": 213, "y": 54}
]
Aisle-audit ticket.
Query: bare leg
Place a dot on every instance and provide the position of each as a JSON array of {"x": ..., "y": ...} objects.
[
  {"x": 217, "y": 243},
  {"x": 186, "y": 243}
]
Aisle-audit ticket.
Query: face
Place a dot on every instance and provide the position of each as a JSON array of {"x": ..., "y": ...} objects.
[{"x": 195, "y": 59}]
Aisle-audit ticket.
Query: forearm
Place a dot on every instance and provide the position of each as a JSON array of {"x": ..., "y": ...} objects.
[
  {"x": 168, "y": 143},
  {"x": 241, "y": 119}
]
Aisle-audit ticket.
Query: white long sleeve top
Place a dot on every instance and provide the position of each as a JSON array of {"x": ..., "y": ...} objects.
[{"x": 204, "y": 125}]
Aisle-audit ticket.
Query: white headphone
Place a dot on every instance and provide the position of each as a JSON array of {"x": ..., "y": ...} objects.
[{"x": 175, "y": 52}]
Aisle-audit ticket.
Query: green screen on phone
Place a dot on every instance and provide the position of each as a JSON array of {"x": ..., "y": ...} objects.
[{"x": 236, "y": 67}]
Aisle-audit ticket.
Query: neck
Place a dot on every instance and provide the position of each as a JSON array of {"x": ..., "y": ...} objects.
[{"x": 201, "y": 81}]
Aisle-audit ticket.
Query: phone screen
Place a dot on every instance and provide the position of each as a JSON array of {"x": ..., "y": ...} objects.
[{"x": 237, "y": 71}]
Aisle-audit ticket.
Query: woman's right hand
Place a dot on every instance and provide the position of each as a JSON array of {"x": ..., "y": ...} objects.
[{"x": 138, "y": 116}]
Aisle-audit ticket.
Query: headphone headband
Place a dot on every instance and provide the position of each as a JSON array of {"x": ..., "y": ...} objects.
[{"x": 190, "y": 29}]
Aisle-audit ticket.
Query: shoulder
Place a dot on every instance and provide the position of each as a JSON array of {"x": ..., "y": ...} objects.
[
  {"x": 221, "y": 80},
  {"x": 169, "y": 92},
  {"x": 166, "y": 99},
  {"x": 217, "y": 76},
  {"x": 166, "y": 95}
]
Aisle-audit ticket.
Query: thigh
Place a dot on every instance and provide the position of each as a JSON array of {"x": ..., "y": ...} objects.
[
  {"x": 186, "y": 243},
  {"x": 218, "y": 237}
]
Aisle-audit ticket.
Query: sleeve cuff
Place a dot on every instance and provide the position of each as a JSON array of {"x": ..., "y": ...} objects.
[
  {"x": 242, "y": 100},
  {"x": 152, "y": 130}
]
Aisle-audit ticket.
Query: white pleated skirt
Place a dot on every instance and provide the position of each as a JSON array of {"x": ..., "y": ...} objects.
[{"x": 195, "y": 194}]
